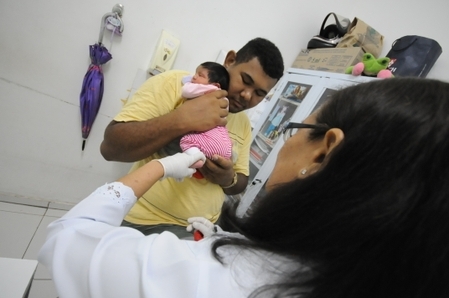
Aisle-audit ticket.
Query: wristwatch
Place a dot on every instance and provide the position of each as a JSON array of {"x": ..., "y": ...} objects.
[{"x": 234, "y": 181}]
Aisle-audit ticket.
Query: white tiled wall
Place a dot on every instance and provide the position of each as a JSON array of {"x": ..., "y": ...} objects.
[{"x": 22, "y": 233}]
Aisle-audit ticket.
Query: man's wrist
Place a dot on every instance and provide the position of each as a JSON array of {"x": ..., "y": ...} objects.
[{"x": 234, "y": 181}]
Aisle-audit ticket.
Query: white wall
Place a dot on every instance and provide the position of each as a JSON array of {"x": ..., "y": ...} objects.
[{"x": 44, "y": 56}]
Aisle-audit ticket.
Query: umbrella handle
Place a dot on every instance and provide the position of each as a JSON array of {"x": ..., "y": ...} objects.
[{"x": 103, "y": 22}]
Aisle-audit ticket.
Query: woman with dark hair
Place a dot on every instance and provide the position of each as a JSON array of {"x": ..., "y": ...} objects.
[{"x": 357, "y": 206}]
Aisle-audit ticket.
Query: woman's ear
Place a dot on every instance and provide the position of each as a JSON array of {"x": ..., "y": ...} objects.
[
  {"x": 331, "y": 140},
  {"x": 230, "y": 58}
]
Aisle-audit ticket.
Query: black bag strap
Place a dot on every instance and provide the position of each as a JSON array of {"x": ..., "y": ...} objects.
[
  {"x": 403, "y": 43},
  {"x": 338, "y": 27}
]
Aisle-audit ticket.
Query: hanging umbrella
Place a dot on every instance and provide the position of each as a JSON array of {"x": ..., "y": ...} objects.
[{"x": 92, "y": 89}]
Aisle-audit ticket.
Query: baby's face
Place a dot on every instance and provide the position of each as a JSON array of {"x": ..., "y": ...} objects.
[{"x": 201, "y": 76}]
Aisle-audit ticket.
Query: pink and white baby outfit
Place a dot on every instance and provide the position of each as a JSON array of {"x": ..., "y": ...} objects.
[{"x": 215, "y": 141}]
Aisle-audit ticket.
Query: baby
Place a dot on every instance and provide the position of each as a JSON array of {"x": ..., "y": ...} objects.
[{"x": 209, "y": 76}]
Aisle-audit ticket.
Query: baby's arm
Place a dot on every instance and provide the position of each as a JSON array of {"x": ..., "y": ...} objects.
[{"x": 191, "y": 90}]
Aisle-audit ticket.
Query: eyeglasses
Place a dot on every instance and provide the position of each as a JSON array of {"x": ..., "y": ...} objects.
[{"x": 292, "y": 128}]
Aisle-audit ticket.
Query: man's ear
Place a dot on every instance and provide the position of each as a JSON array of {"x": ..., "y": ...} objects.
[{"x": 230, "y": 58}]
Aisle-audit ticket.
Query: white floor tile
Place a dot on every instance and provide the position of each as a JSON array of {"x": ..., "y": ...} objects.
[
  {"x": 16, "y": 231},
  {"x": 22, "y": 233},
  {"x": 18, "y": 208},
  {"x": 35, "y": 246},
  {"x": 55, "y": 213},
  {"x": 61, "y": 206},
  {"x": 24, "y": 201},
  {"x": 42, "y": 273},
  {"x": 43, "y": 289}
]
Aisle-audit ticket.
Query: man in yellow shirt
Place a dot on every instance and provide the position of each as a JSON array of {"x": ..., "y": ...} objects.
[{"x": 157, "y": 117}]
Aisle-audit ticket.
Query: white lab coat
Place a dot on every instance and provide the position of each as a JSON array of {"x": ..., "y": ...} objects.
[{"x": 89, "y": 255}]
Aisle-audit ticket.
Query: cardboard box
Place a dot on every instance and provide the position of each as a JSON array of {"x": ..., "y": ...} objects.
[{"x": 332, "y": 60}]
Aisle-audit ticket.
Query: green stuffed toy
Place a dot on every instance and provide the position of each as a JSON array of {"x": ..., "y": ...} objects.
[{"x": 370, "y": 66}]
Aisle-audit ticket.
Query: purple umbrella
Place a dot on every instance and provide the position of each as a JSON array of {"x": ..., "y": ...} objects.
[{"x": 92, "y": 89}]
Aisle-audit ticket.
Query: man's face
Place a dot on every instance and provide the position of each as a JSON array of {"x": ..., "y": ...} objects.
[{"x": 249, "y": 84}]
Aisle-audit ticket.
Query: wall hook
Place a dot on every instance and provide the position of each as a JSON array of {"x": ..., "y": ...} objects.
[{"x": 117, "y": 13}]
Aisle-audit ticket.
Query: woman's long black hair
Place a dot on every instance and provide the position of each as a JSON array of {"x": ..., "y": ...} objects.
[{"x": 374, "y": 220}]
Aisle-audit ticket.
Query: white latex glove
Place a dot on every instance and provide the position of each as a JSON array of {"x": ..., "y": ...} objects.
[
  {"x": 178, "y": 166},
  {"x": 203, "y": 225}
]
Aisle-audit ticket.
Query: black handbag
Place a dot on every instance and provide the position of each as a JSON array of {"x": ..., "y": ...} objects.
[
  {"x": 330, "y": 34},
  {"x": 413, "y": 55}
]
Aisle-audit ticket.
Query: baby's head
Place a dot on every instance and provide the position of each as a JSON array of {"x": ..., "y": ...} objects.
[{"x": 212, "y": 73}]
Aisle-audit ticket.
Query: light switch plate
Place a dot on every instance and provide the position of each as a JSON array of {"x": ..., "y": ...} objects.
[{"x": 165, "y": 53}]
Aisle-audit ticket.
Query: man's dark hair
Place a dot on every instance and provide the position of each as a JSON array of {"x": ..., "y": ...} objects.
[
  {"x": 217, "y": 74},
  {"x": 266, "y": 52}
]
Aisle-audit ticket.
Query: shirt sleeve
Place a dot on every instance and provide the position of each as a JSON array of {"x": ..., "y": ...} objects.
[{"x": 157, "y": 96}]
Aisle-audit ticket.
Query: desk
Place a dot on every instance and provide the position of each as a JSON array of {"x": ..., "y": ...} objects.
[{"x": 16, "y": 276}]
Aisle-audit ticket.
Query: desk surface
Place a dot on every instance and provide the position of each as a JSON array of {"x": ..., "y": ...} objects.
[{"x": 16, "y": 276}]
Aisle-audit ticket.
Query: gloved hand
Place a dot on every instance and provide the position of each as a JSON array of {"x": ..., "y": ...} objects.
[
  {"x": 178, "y": 166},
  {"x": 203, "y": 225}
]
